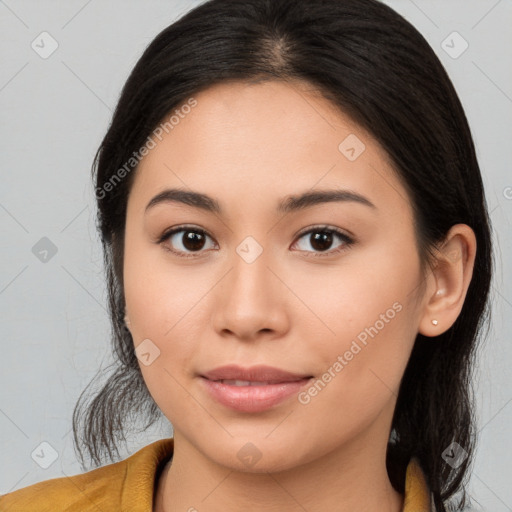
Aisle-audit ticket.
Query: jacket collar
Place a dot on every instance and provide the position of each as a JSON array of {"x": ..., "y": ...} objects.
[{"x": 418, "y": 497}]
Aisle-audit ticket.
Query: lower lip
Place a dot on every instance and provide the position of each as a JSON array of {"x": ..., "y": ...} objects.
[{"x": 253, "y": 398}]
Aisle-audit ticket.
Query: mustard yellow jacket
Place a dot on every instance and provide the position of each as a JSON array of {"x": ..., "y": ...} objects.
[{"x": 128, "y": 486}]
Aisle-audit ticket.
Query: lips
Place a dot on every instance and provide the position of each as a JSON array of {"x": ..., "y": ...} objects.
[
  {"x": 255, "y": 374},
  {"x": 254, "y": 389}
]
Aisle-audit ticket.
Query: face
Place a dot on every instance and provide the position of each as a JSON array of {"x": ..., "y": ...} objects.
[{"x": 325, "y": 290}]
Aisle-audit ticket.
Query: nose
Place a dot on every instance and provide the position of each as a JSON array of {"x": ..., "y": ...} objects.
[{"x": 251, "y": 300}]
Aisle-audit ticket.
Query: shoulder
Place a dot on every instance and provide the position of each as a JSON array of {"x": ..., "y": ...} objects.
[
  {"x": 104, "y": 488},
  {"x": 78, "y": 492}
]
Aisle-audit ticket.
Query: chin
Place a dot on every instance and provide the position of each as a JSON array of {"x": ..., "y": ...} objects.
[{"x": 258, "y": 456}]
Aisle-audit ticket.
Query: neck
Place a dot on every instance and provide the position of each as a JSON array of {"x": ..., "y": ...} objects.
[{"x": 344, "y": 480}]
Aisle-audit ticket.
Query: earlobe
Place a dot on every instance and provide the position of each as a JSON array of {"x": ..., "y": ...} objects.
[{"x": 448, "y": 281}]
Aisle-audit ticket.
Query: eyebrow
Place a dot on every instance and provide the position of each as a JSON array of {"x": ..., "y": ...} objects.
[{"x": 288, "y": 204}]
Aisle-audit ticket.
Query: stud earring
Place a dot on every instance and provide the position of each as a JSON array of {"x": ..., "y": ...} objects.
[{"x": 434, "y": 322}]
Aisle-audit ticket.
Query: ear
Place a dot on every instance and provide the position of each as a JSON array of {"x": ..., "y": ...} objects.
[{"x": 449, "y": 280}]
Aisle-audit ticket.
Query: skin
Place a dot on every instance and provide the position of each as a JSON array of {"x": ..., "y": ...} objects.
[{"x": 249, "y": 146}]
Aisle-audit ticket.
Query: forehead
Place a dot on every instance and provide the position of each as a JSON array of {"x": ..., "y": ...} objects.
[{"x": 252, "y": 143}]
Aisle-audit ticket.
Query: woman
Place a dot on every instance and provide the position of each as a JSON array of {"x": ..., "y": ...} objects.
[{"x": 298, "y": 256}]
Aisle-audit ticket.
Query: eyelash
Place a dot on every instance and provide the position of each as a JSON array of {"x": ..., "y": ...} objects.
[{"x": 348, "y": 241}]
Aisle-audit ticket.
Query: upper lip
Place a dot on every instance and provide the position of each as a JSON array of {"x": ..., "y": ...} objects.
[{"x": 259, "y": 373}]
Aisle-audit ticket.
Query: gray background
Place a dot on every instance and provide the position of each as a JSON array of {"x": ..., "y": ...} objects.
[{"x": 55, "y": 111}]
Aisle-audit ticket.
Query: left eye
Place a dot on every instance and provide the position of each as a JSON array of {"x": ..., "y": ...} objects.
[
  {"x": 321, "y": 238},
  {"x": 193, "y": 239}
]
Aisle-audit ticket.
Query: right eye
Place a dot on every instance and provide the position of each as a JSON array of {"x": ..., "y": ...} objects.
[{"x": 187, "y": 238}]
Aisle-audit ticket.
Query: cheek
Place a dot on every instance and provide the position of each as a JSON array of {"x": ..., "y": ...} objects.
[
  {"x": 159, "y": 295},
  {"x": 164, "y": 304},
  {"x": 164, "y": 308},
  {"x": 361, "y": 368},
  {"x": 368, "y": 312},
  {"x": 365, "y": 289}
]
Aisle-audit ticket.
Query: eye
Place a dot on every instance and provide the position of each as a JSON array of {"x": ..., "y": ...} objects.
[
  {"x": 191, "y": 239},
  {"x": 181, "y": 239},
  {"x": 321, "y": 239}
]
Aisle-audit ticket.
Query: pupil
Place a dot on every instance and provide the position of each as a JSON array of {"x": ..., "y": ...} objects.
[
  {"x": 321, "y": 240},
  {"x": 193, "y": 240}
]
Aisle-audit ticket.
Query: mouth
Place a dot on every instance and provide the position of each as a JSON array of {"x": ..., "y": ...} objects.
[
  {"x": 240, "y": 383},
  {"x": 261, "y": 373},
  {"x": 254, "y": 389}
]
